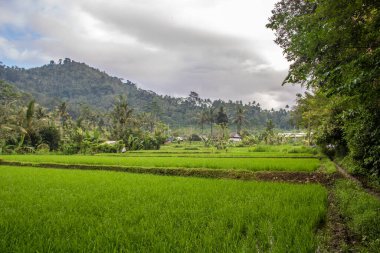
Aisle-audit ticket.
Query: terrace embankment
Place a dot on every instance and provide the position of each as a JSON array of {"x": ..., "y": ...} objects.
[{"x": 275, "y": 176}]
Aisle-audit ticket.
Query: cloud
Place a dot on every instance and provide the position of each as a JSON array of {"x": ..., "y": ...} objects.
[{"x": 171, "y": 47}]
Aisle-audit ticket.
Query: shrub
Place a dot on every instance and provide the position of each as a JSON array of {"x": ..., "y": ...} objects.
[{"x": 51, "y": 136}]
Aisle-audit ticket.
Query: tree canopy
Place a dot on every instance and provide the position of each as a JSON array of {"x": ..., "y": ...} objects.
[{"x": 333, "y": 47}]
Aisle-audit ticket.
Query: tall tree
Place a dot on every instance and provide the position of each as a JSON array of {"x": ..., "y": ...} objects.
[
  {"x": 211, "y": 118},
  {"x": 63, "y": 114},
  {"x": 121, "y": 117},
  {"x": 202, "y": 118},
  {"x": 334, "y": 47},
  {"x": 240, "y": 118},
  {"x": 222, "y": 120}
]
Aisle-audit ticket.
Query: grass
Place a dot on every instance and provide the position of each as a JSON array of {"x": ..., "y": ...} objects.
[
  {"x": 214, "y": 154},
  {"x": 196, "y": 147},
  {"x": 44, "y": 210},
  {"x": 327, "y": 166},
  {"x": 251, "y": 164},
  {"x": 362, "y": 214},
  {"x": 291, "y": 149}
]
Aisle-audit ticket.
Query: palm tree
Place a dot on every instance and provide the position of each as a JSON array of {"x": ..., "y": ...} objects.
[
  {"x": 121, "y": 116},
  {"x": 239, "y": 118},
  {"x": 202, "y": 118},
  {"x": 63, "y": 114},
  {"x": 211, "y": 117},
  {"x": 30, "y": 115}
]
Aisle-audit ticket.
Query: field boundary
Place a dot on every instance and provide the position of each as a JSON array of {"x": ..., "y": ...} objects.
[
  {"x": 278, "y": 176},
  {"x": 212, "y": 157}
]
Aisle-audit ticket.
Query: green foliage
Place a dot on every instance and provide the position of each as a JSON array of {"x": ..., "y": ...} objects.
[
  {"x": 250, "y": 140},
  {"x": 334, "y": 49},
  {"x": 195, "y": 137},
  {"x": 239, "y": 119},
  {"x": 268, "y": 135},
  {"x": 51, "y": 136},
  {"x": 362, "y": 213},
  {"x": 221, "y": 117},
  {"x": 109, "y": 148}
]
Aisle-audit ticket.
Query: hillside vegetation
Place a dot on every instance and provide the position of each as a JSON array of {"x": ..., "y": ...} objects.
[{"x": 80, "y": 85}]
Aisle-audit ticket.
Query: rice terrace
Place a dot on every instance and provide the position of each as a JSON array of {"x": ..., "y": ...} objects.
[
  {"x": 190, "y": 126},
  {"x": 109, "y": 211}
]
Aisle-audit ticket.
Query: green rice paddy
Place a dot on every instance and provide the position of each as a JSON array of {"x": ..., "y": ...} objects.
[
  {"x": 251, "y": 164},
  {"x": 46, "y": 210}
]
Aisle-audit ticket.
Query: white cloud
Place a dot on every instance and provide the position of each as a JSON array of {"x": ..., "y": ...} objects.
[{"x": 219, "y": 48}]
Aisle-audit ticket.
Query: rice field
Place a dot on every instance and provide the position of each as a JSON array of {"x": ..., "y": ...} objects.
[
  {"x": 46, "y": 210},
  {"x": 200, "y": 148},
  {"x": 250, "y": 164},
  {"x": 213, "y": 154}
]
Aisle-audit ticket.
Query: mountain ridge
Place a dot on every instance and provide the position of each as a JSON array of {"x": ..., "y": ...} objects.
[{"x": 79, "y": 84}]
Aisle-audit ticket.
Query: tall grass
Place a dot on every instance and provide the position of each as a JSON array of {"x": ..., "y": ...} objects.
[
  {"x": 91, "y": 211},
  {"x": 362, "y": 213},
  {"x": 289, "y": 149}
]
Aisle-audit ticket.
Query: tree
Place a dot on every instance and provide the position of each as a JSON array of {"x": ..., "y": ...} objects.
[
  {"x": 63, "y": 114},
  {"x": 222, "y": 120},
  {"x": 268, "y": 134},
  {"x": 121, "y": 118},
  {"x": 30, "y": 114},
  {"x": 211, "y": 118},
  {"x": 193, "y": 98},
  {"x": 221, "y": 117},
  {"x": 202, "y": 118},
  {"x": 51, "y": 136},
  {"x": 239, "y": 118},
  {"x": 334, "y": 47}
]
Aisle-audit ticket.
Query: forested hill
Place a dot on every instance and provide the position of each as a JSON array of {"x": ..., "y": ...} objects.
[{"x": 81, "y": 85}]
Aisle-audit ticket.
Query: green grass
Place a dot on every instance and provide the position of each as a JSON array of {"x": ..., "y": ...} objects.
[
  {"x": 214, "y": 154},
  {"x": 196, "y": 147},
  {"x": 327, "y": 166},
  {"x": 252, "y": 164},
  {"x": 45, "y": 210},
  {"x": 290, "y": 149},
  {"x": 362, "y": 214}
]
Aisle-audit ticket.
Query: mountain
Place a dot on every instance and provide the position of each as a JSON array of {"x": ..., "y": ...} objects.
[{"x": 81, "y": 85}]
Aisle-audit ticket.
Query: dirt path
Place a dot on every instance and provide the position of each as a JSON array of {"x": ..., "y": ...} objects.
[
  {"x": 336, "y": 236},
  {"x": 368, "y": 189}
]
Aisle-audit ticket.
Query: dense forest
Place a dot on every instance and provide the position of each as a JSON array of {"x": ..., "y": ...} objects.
[
  {"x": 80, "y": 87},
  {"x": 333, "y": 47}
]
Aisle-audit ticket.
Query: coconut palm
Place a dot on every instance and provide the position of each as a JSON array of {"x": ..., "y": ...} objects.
[
  {"x": 202, "y": 118},
  {"x": 239, "y": 119}
]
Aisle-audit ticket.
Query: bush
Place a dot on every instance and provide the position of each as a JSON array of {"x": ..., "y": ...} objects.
[
  {"x": 43, "y": 148},
  {"x": 51, "y": 136},
  {"x": 250, "y": 140},
  {"x": 108, "y": 148},
  {"x": 195, "y": 137},
  {"x": 70, "y": 149}
]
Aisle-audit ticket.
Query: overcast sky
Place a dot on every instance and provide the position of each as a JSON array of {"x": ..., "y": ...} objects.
[{"x": 217, "y": 48}]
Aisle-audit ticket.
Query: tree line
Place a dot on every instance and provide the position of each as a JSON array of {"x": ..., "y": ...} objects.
[{"x": 27, "y": 127}]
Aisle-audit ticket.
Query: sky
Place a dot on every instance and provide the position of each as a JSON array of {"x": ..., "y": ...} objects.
[{"x": 217, "y": 48}]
